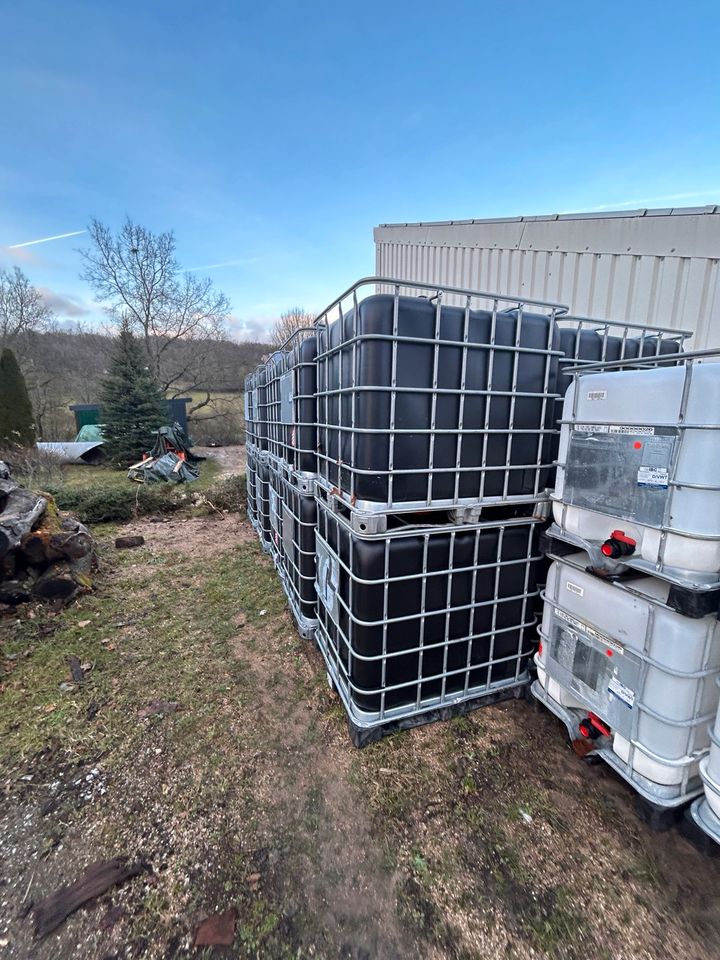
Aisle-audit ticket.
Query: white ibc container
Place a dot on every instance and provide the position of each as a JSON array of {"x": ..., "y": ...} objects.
[
  {"x": 639, "y": 454},
  {"x": 710, "y": 770},
  {"x": 616, "y": 651}
]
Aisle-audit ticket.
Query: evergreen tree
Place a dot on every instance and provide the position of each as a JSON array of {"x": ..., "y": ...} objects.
[
  {"x": 16, "y": 413},
  {"x": 132, "y": 401}
]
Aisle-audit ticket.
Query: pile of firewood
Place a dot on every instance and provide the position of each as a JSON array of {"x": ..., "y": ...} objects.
[{"x": 43, "y": 554}]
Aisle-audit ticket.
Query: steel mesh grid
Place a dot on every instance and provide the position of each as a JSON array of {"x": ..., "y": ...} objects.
[
  {"x": 515, "y": 455},
  {"x": 286, "y": 412},
  {"x": 467, "y": 634},
  {"x": 263, "y": 503},
  {"x": 251, "y": 476},
  {"x": 293, "y": 521},
  {"x": 249, "y": 409}
]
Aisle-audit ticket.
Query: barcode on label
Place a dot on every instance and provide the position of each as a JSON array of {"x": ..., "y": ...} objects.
[
  {"x": 597, "y": 394},
  {"x": 574, "y": 588}
]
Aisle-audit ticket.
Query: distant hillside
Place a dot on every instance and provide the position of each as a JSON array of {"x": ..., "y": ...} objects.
[{"x": 63, "y": 368}]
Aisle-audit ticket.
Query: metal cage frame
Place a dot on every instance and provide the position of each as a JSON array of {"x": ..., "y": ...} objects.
[
  {"x": 693, "y": 581},
  {"x": 660, "y": 794},
  {"x": 500, "y": 306},
  {"x": 339, "y": 650}
]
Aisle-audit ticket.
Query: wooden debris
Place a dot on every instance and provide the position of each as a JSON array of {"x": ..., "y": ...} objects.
[
  {"x": 42, "y": 553},
  {"x": 217, "y": 930},
  {"x": 99, "y": 877},
  {"x": 127, "y": 543}
]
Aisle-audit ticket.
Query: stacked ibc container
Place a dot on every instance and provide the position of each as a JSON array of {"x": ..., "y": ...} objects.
[
  {"x": 630, "y": 651},
  {"x": 434, "y": 442},
  {"x": 286, "y": 428}
]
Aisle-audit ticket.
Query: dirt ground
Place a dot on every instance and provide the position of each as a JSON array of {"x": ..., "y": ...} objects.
[
  {"x": 232, "y": 459},
  {"x": 482, "y": 837}
]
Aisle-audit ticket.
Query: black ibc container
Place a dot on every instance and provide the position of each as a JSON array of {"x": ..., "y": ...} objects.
[
  {"x": 419, "y": 619},
  {"x": 407, "y": 418},
  {"x": 249, "y": 411},
  {"x": 263, "y": 495},
  {"x": 293, "y": 531},
  {"x": 292, "y": 406},
  {"x": 251, "y": 475}
]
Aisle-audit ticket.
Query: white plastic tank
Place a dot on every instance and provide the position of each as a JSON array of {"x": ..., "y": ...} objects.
[
  {"x": 615, "y": 655},
  {"x": 638, "y": 479},
  {"x": 710, "y": 773}
]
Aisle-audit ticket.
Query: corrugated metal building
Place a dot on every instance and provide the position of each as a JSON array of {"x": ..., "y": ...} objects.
[{"x": 641, "y": 266}]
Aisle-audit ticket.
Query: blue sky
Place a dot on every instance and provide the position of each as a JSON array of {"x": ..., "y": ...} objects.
[{"x": 272, "y": 137}]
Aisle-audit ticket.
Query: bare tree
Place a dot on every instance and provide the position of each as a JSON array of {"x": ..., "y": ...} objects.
[
  {"x": 178, "y": 316},
  {"x": 22, "y": 308},
  {"x": 293, "y": 319}
]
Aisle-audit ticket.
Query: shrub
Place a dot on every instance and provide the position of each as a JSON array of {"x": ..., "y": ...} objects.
[
  {"x": 228, "y": 493},
  {"x": 16, "y": 414},
  {"x": 94, "y": 504}
]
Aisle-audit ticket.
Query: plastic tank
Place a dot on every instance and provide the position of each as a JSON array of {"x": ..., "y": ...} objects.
[
  {"x": 248, "y": 399},
  {"x": 617, "y": 652},
  {"x": 291, "y": 405},
  {"x": 293, "y": 522},
  {"x": 263, "y": 495},
  {"x": 639, "y": 454},
  {"x": 415, "y": 408},
  {"x": 251, "y": 475},
  {"x": 424, "y": 617},
  {"x": 706, "y": 812}
]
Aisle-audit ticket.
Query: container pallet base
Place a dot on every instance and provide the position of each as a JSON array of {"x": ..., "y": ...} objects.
[
  {"x": 305, "y": 627},
  {"x": 694, "y": 602},
  {"x": 365, "y": 736},
  {"x": 659, "y": 811},
  {"x": 702, "y": 828}
]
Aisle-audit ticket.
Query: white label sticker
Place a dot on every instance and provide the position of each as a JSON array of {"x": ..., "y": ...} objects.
[
  {"x": 587, "y": 629},
  {"x": 574, "y": 588},
  {"x": 613, "y": 428},
  {"x": 623, "y": 693},
  {"x": 654, "y": 477},
  {"x": 597, "y": 394}
]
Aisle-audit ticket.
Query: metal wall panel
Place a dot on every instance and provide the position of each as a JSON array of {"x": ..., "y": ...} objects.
[{"x": 643, "y": 266}]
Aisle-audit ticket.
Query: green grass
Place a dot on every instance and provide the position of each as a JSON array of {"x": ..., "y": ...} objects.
[{"x": 163, "y": 633}]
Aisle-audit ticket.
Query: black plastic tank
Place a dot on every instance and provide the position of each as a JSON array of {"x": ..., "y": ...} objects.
[
  {"x": 262, "y": 488},
  {"x": 292, "y": 407},
  {"x": 249, "y": 398},
  {"x": 476, "y": 633},
  {"x": 251, "y": 476},
  {"x": 293, "y": 523},
  {"x": 378, "y": 395}
]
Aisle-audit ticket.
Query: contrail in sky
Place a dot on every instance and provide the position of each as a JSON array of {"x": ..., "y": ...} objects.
[{"x": 60, "y": 236}]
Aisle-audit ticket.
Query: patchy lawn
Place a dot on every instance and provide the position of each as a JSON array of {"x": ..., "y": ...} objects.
[{"x": 479, "y": 838}]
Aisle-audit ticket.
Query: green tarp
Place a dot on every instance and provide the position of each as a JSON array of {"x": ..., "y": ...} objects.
[{"x": 90, "y": 433}]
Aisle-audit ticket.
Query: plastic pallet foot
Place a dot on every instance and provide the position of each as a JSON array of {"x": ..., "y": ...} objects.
[
  {"x": 657, "y": 818},
  {"x": 697, "y": 837}
]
